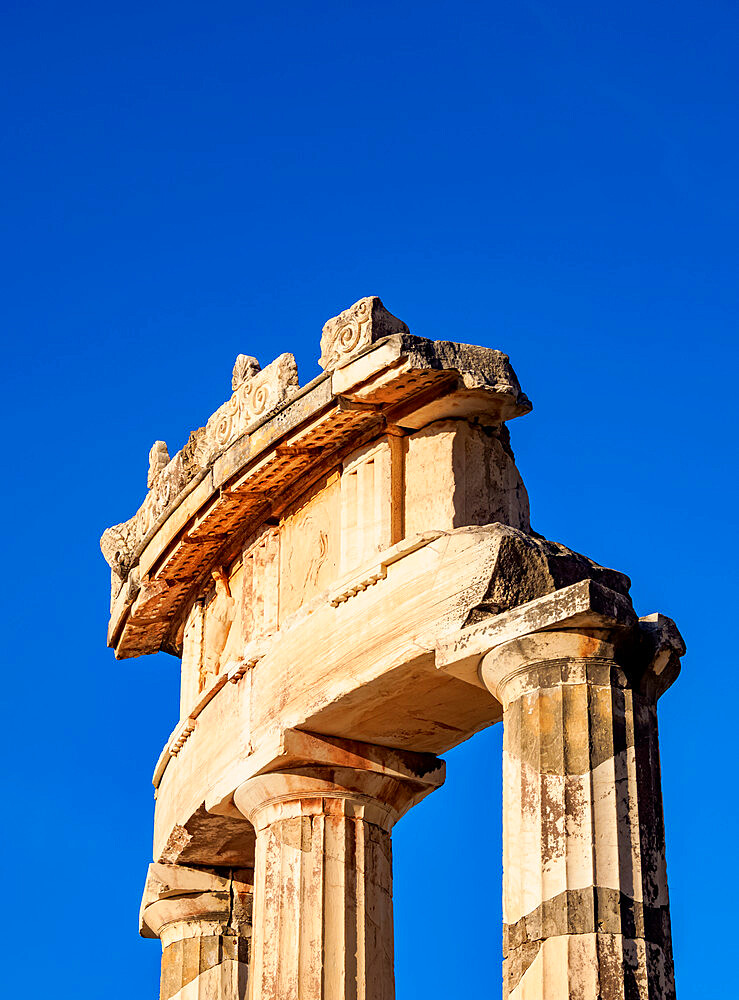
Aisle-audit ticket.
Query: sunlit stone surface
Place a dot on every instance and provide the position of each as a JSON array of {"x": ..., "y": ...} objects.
[{"x": 348, "y": 574}]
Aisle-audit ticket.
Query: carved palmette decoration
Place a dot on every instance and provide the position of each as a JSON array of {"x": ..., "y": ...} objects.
[
  {"x": 118, "y": 546},
  {"x": 195, "y": 454},
  {"x": 351, "y": 331},
  {"x": 245, "y": 368},
  {"x": 158, "y": 461},
  {"x": 256, "y": 393}
]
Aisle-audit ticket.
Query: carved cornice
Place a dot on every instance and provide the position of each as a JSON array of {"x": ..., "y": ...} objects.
[
  {"x": 256, "y": 395},
  {"x": 265, "y": 444}
]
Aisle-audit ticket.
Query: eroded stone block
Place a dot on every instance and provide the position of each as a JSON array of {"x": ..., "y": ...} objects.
[{"x": 458, "y": 473}]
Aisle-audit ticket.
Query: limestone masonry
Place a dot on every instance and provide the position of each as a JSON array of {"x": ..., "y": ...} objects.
[{"x": 348, "y": 574}]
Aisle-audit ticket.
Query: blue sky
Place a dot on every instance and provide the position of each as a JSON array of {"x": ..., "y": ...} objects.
[{"x": 185, "y": 182}]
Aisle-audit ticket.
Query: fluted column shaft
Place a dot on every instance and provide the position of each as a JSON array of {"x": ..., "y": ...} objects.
[
  {"x": 585, "y": 900},
  {"x": 203, "y": 961},
  {"x": 203, "y": 920},
  {"x": 323, "y": 914}
]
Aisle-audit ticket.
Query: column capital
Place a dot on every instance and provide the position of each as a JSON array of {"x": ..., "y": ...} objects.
[
  {"x": 184, "y": 902},
  {"x": 644, "y": 657},
  {"x": 360, "y": 780},
  {"x": 583, "y": 622}
]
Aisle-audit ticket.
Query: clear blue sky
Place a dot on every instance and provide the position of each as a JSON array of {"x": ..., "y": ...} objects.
[{"x": 182, "y": 182}]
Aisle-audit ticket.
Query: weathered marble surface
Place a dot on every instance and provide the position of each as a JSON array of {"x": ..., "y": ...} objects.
[
  {"x": 585, "y": 898},
  {"x": 203, "y": 920},
  {"x": 350, "y": 577}
]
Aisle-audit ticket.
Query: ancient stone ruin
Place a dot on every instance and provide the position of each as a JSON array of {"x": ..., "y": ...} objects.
[{"x": 348, "y": 574}]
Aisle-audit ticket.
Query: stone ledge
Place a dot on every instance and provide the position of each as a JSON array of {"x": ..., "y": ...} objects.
[{"x": 368, "y": 576}]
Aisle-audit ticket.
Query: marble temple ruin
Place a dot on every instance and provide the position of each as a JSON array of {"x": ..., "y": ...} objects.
[{"x": 348, "y": 574}]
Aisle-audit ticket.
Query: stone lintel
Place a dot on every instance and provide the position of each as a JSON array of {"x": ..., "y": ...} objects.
[
  {"x": 583, "y": 605},
  {"x": 301, "y": 749},
  {"x": 208, "y": 840}
]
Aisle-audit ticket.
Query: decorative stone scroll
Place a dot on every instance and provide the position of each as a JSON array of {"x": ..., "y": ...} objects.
[
  {"x": 349, "y": 333},
  {"x": 256, "y": 393}
]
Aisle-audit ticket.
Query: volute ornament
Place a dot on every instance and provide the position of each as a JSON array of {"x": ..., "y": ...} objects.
[
  {"x": 351, "y": 331},
  {"x": 256, "y": 392}
]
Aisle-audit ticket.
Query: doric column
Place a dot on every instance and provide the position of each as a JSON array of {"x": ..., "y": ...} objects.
[
  {"x": 323, "y": 916},
  {"x": 203, "y": 920},
  {"x": 585, "y": 902}
]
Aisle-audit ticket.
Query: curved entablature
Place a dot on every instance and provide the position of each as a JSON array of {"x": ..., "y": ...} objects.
[{"x": 274, "y": 446}]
